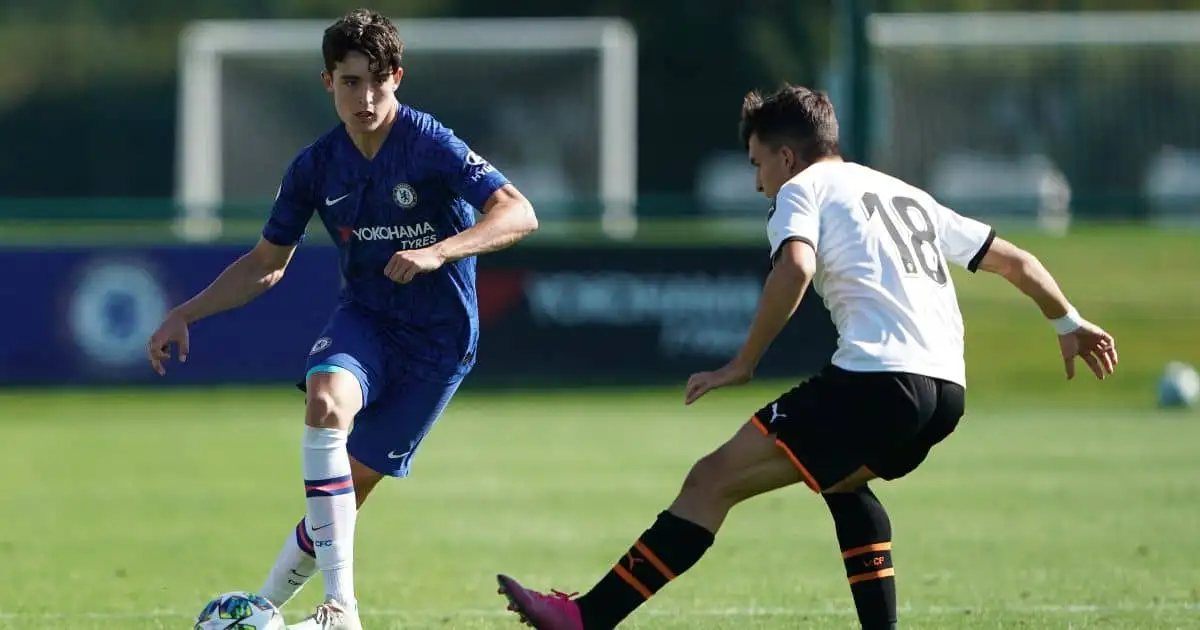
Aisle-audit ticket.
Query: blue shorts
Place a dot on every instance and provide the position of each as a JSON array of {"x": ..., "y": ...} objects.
[{"x": 398, "y": 409}]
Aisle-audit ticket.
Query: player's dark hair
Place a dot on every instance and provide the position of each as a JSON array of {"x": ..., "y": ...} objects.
[
  {"x": 367, "y": 32},
  {"x": 794, "y": 116}
]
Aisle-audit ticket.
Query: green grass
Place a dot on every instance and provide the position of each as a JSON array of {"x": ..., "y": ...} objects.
[
  {"x": 122, "y": 232},
  {"x": 1138, "y": 284},
  {"x": 1057, "y": 504},
  {"x": 134, "y": 227},
  {"x": 128, "y": 509}
]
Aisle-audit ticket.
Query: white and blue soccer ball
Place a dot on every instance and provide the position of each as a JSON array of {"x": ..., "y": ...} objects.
[
  {"x": 1179, "y": 386},
  {"x": 239, "y": 611}
]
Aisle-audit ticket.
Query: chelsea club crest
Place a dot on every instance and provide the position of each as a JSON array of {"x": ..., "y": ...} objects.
[{"x": 404, "y": 196}]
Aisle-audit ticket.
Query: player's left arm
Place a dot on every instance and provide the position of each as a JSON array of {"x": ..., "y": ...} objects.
[
  {"x": 508, "y": 217},
  {"x": 507, "y": 214},
  {"x": 794, "y": 232},
  {"x": 795, "y": 264}
]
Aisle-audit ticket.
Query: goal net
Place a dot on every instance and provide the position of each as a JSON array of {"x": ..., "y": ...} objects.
[
  {"x": 1035, "y": 116},
  {"x": 551, "y": 102}
]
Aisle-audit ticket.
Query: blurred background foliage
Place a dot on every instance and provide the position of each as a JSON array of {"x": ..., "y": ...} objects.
[{"x": 95, "y": 80}]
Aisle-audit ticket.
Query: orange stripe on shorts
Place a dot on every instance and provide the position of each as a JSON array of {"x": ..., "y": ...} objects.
[{"x": 809, "y": 480}]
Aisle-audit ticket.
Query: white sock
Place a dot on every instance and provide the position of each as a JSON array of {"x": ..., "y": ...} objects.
[
  {"x": 331, "y": 509},
  {"x": 293, "y": 567}
]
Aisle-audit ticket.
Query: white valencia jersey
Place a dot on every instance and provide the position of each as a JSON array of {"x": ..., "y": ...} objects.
[{"x": 882, "y": 247}]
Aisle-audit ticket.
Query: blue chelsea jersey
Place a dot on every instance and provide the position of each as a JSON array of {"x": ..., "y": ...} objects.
[{"x": 418, "y": 190}]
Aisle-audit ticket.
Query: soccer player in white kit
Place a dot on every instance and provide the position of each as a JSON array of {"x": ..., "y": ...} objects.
[{"x": 877, "y": 250}]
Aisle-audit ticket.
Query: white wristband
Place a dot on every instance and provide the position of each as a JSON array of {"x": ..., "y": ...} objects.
[{"x": 1068, "y": 323}]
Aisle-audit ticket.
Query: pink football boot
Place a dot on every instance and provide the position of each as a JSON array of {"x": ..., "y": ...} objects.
[{"x": 556, "y": 611}]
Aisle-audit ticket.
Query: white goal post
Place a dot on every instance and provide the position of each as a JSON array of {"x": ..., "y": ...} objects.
[
  {"x": 1024, "y": 29},
  {"x": 205, "y": 45},
  {"x": 974, "y": 102}
]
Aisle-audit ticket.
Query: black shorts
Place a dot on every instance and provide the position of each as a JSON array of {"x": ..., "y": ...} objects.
[{"x": 839, "y": 421}]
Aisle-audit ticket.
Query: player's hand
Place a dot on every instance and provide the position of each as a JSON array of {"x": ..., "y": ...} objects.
[
  {"x": 700, "y": 384},
  {"x": 1090, "y": 343},
  {"x": 173, "y": 330},
  {"x": 406, "y": 265}
]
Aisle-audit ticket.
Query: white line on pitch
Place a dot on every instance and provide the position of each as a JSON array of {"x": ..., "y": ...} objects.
[{"x": 659, "y": 612}]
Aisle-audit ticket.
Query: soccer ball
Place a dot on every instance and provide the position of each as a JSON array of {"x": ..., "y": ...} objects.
[
  {"x": 1179, "y": 386},
  {"x": 239, "y": 611}
]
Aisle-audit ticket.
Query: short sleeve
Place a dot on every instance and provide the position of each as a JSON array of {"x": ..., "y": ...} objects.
[
  {"x": 463, "y": 170},
  {"x": 794, "y": 217},
  {"x": 293, "y": 205},
  {"x": 964, "y": 240}
]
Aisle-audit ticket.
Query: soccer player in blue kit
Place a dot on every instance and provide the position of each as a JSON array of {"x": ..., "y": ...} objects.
[{"x": 395, "y": 190}]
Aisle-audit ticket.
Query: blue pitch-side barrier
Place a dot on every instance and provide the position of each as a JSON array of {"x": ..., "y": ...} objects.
[{"x": 550, "y": 316}]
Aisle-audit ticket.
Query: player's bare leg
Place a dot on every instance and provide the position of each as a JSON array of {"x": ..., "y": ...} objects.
[
  {"x": 749, "y": 464},
  {"x": 297, "y": 560},
  {"x": 864, "y": 533},
  {"x": 334, "y": 397}
]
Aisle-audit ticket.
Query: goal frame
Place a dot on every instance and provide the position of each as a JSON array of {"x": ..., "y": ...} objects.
[
  {"x": 204, "y": 44},
  {"x": 1029, "y": 30},
  {"x": 1026, "y": 29}
]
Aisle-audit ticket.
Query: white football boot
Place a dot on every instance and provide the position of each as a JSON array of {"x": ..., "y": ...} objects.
[{"x": 330, "y": 616}]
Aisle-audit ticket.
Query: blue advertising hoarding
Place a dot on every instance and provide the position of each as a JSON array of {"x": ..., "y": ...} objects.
[
  {"x": 79, "y": 316},
  {"x": 549, "y": 316}
]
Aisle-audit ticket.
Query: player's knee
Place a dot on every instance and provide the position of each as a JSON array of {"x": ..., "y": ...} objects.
[
  {"x": 711, "y": 478},
  {"x": 700, "y": 477},
  {"x": 333, "y": 400},
  {"x": 326, "y": 410},
  {"x": 853, "y": 483}
]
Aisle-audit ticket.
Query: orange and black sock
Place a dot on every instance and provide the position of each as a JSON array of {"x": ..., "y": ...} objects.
[
  {"x": 864, "y": 533},
  {"x": 671, "y": 546}
]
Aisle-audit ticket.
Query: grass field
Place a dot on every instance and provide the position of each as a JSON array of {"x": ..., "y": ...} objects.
[
  {"x": 1139, "y": 284},
  {"x": 1056, "y": 505},
  {"x": 127, "y": 509}
]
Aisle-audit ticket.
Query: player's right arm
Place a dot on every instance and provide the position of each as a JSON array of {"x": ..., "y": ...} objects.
[
  {"x": 974, "y": 245},
  {"x": 250, "y": 275},
  {"x": 1077, "y": 337},
  {"x": 247, "y": 278}
]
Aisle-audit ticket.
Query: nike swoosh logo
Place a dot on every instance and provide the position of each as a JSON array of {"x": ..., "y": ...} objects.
[
  {"x": 395, "y": 455},
  {"x": 330, "y": 202},
  {"x": 317, "y": 529}
]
